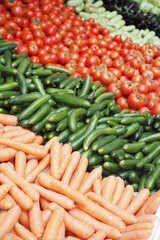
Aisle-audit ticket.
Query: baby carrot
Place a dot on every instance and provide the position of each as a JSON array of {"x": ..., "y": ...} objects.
[
  {"x": 23, "y": 232},
  {"x": 152, "y": 204},
  {"x": 66, "y": 148},
  {"x": 35, "y": 219},
  {"x": 30, "y": 166},
  {"x": 20, "y": 163},
  {"x": 118, "y": 191},
  {"x": 61, "y": 232},
  {"x": 94, "y": 174},
  {"x": 44, "y": 203},
  {"x": 79, "y": 173},
  {"x": 24, "y": 219},
  {"x": 139, "y": 226},
  {"x": 9, "y": 220},
  {"x": 72, "y": 238},
  {"x": 124, "y": 215},
  {"x": 14, "y": 134},
  {"x": 39, "y": 139},
  {"x": 100, "y": 235},
  {"x": 84, "y": 178},
  {"x": 97, "y": 186},
  {"x": 75, "y": 157},
  {"x": 53, "y": 225},
  {"x": 136, "y": 235},
  {"x": 46, "y": 214},
  {"x": 39, "y": 168},
  {"x": 97, "y": 225},
  {"x": 10, "y": 198},
  {"x": 12, "y": 128},
  {"x": 2, "y": 215},
  {"x": 10, "y": 165},
  {"x": 64, "y": 163},
  {"x": 5, "y": 204},
  {"x": 1, "y": 125},
  {"x": 56, "y": 152},
  {"x": 28, "y": 137},
  {"x": 48, "y": 145},
  {"x": 146, "y": 218},
  {"x": 19, "y": 181},
  {"x": 4, "y": 189},
  {"x": 138, "y": 201},
  {"x": 38, "y": 152},
  {"x": 8, "y": 236},
  {"x": 126, "y": 197},
  {"x": 109, "y": 188},
  {"x": 51, "y": 196},
  {"x": 8, "y": 119},
  {"x": 7, "y": 154}
]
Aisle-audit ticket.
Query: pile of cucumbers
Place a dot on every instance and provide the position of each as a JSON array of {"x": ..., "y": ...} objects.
[{"x": 52, "y": 103}]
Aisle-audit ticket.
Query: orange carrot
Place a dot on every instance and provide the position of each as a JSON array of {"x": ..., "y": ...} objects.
[
  {"x": 10, "y": 165},
  {"x": 9, "y": 220},
  {"x": 19, "y": 181},
  {"x": 16, "y": 237},
  {"x": 23, "y": 232},
  {"x": 100, "y": 235},
  {"x": 103, "y": 182},
  {"x": 66, "y": 148},
  {"x": 61, "y": 232},
  {"x": 29, "y": 157},
  {"x": 84, "y": 178},
  {"x": 97, "y": 225},
  {"x": 75, "y": 157},
  {"x": 39, "y": 168},
  {"x": 10, "y": 198},
  {"x": 94, "y": 174},
  {"x": 97, "y": 186},
  {"x": 138, "y": 201},
  {"x": 5, "y": 204},
  {"x": 44, "y": 203},
  {"x": 136, "y": 235},
  {"x": 53, "y": 225},
  {"x": 146, "y": 218},
  {"x": 4, "y": 189},
  {"x": 109, "y": 188},
  {"x": 78, "y": 174},
  {"x": 118, "y": 191},
  {"x": 124, "y": 215},
  {"x": 126, "y": 197},
  {"x": 24, "y": 219},
  {"x": 38, "y": 152},
  {"x": 1, "y": 125},
  {"x": 72, "y": 238},
  {"x": 139, "y": 226},
  {"x": 83, "y": 202},
  {"x": 30, "y": 166},
  {"x": 12, "y": 128},
  {"x": 14, "y": 134},
  {"x": 7, "y": 154},
  {"x": 8, "y": 119},
  {"x": 20, "y": 163},
  {"x": 39, "y": 139},
  {"x": 56, "y": 152},
  {"x": 2, "y": 215},
  {"x": 48, "y": 145},
  {"x": 28, "y": 137},
  {"x": 8, "y": 236},
  {"x": 35, "y": 219},
  {"x": 64, "y": 163},
  {"x": 46, "y": 214},
  {"x": 51, "y": 196}
]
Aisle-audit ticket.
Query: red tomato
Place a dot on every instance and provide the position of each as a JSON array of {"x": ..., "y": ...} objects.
[
  {"x": 107, "y": 77},
  {"x": 33, "y": 49},
  {"x": 127, "y": 87},
  {"x": 22, "y": 49},
  {"x": 151, "y": 103},
  {"x": 142, "y": 88},
  {"x": 35, "y": 59},
  {"x": 63, "y": 57},
  {"x": 114, "y": 87},
  {"x": 122, "y": 102},
  {"x": 137, "y": 100},
  {"x": 144, "y": 109},
  {"x": 17, "y": 10},
  {"x": 83, "y": 71},
  {"x": 129, "y": 72},
  {"x": 156, "y": 108},
  {"x": 92, "y": 60}
]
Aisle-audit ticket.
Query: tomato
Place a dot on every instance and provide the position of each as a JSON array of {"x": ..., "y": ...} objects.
[
  {"x": 129, "y": 72},
  {"x": 144, "y": 67},
  {"x": 17, "y": 10},
  {"x": 63, "y": 57},
  {"x": 156, "y": 72},
  {"x": 156, "y": 50},
  {"x": 11, "y": 27},
  {"x": 157, "y": 91},
  {"x": 148, "y": 52},
  {"x": 136, "y": 63},
  {"x": 39, "y": 42},
  {"x": 116, "y": 72},
  {"x": 106, "y": 77},
  {"x": 2, "y": 19},
  {"x": 117, "y": 38},
  {"x": 148, "y": 74},
  {"x": 122, "y": 102},
  {"x": 144, "y": 109},
  {"x": 83, "y": 71},
  {"x": 22, "y": 49},
  {"x": 127, "y": 87},
  {"x": 51, "y": 30},
  {"x": 114, "y": 55},
  {"x": 92, "y": 60},
  {"x": 137, "y": 79},
  {"x": 156, "y": 108},
  {"x": 151, "y": 103},
  {"x": 38, "y": 33},
  {"x": 47, "y": 58},
  {"x": 107, "y": 60},
  {"x": 137, "y": 100},
  {"x": 33, "y": 49},
  {"x": 27, "y": 37},
  {"x": 3, "y": 32},
  {"x": 156, "y": 62},
  {"x": 114, "y": 87},
  {"x": 153, "y": 95},
  {"x": 142, "y": 88}
]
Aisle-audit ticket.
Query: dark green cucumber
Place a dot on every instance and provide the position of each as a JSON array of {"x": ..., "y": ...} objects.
[
  {"x": 102, "y": 141},
  {"x": 106, "y": 119},
  {"x": 8, "y": 70},
  {"x": 104, "y": 96},
  {"x": 138, "y": 134},
  {"x": 38, "y": 84},
  {"x": 73, "y": 118},
  {"x": 63, "y": 136},
  {"x": 156, "y": 161},
  {"x": 20, "y": 58},
  {"x": 131, "y": 129},
  {"x": 59, "y": 90},
  {"x": 107, "y": 158},
  {"x": 134, "y": 147},
  {"x": 99, "y": 91},
  {"x": 95, "y": 85},
  {"x": 73, "y": 84},
  {"x": 128, "y": 164},
  {"x": 8, "y": 94},
  {"x": 78, "y": 133},
  {"x": 65, "y": 81},
  {"x": 134, "y": 177},
  {"x": 25, "y": 98},
  {"x": 42, "y": 111},
  {"x": 87, "y": 153},
  {"x": 149, "y": 147},
  {"x": 151, "y": 180},
  {"x": 57, "y": 69},
  {"x": 95, "y": 159},
  {"x": 86, "y": 86},
  {"x": 149, "y": 167},
  {"x": 142, "y": 183},
  {"x": 50, "y": 126},
  {"x": 129, "y": 120},
  {"x": 22, "y": 83},
  {"x": 111, "y": 167},
  {"x": 23, "y": 66},
  {"x": 50, "y": 79},
  {"x": 62, "y": 125},
  {"x": 115, "y": 144},
  {"x": 7, "y": 47},
  {"x": 41, "y": 73},
  {"x": 151, "y": 138},
  {"x": 8, "y": 86}
]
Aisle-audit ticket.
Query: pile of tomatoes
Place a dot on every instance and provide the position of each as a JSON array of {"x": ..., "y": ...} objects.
[{"x": 51, "y": 32}]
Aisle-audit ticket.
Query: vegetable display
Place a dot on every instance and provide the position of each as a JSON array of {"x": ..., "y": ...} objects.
[{"x": 62, "y": 200}]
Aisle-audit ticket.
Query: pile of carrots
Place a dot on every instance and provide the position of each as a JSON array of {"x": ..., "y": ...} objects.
[{"x": 46, "y": 193}]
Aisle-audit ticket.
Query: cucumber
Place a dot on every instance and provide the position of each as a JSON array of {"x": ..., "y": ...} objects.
[
  {"x": 58, "y": 116},
  {"x": 111, "y": 167},
  {"x": 151, "y": 180},
  {"x": 134, "y": 147},
  {"x": 30, "y": 97},
  {"x": 142, "y": 183},
  {"x": 115, "y": 144},
  {"x": 131, "y": 129},
  {"x": 86, "y": 86},
  {"x": 95, "y": 159},
  {"x": 128, "y": 164},
  {"x": 151, "y": 138},
  {"x": 42, "y": 111},
  {"x": 73, "y": 117},
  {"x": 102, "y": 141}
]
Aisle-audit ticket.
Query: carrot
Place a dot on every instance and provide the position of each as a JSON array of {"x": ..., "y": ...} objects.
[
  {"x": 72, "y": 238},
  {"x": 103, "y": 182},
  {"x": 56, "y": 152},
  {"x": 139, "y": 226},
  {"x": 23, "y": 232},
  {"x": 1, "y": 125},
  {"x": 29, "y": 157},
  {"x": 118, "y": 191},
  {"x": 138, "y": 201},
  {"x": 61, "y": 232},
  {"x": 28, "y": 137},
  {"x": 5, "y": 204},
  {"x": 48, "y": 145},
  {"x": 39, "y": 139},
  {"x": 124, "y": 215},
  {"x": 8, "y": 236},
  {"x": 7, "y": 154},
  {"x": 53, "y": 225},
  {"x": 16, "y": 237},
  {"x": 10, "y": 198},
  {"x": 146, "y": 218},
  {"x": 46, "y": 214},
  {"x": 30, "y": 166},
  {"x": 83, "y": 202},
  {"x": 75, "y": 157},
  {"x": 79, "y": 173},
  {"x": 64, "y": 163},
  {"x": 136, "y": 235},
  {"x": 100, "y": 235},
  {"x": 12, "y": 128},
  {"x": 2, "y": 215},
  {"x": 38, "y": 152},
  {"x": 39, "y": 168},
  {"x": 94, "y": 174},
  {"x": 4, "y": 189},
  {"x": 66, "y": 149},
  {"x": 97, "y": 225},
  {"x": 14, "y": 134},
  {"x": 24, "y": 219},
  {"x": 51, "y": 196},
  {"x": 97, "y": 186},
  {"x": 10, "y": 165},
  {"x": 44, "y": 203},
  {"x": 20, "y": 163},
  {"x": 109, "y": 188},
  {"x": 9, "y": 220},
  {"x": 126, "y": 197},
  {"x": 19, "y": 181},
  {"x": 7, "y": 119},
  {"x": 35, "y": 219}
]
